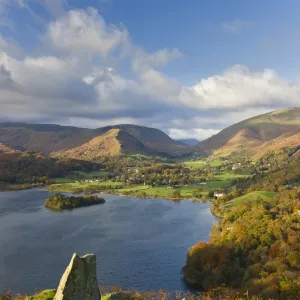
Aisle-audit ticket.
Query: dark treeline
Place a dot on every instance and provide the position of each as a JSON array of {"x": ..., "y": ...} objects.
[{"x": 35, "y": 168}]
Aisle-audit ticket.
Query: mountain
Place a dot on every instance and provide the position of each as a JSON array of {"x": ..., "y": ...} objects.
[
  {"x": 191, "y": 142},
  {"x": 257, "y": 135},
  {"x": 47, "y": 138},
  {"x": 153, "y": 139},
  {"x": 113, "y": 142}
]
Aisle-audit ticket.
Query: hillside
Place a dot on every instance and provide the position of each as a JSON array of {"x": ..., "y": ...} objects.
[
  {"x": 6, "y": 149},
  {"x": 153, "y": 139},
  {"x": 48, "y": 138},
  {"x": 43, "y": 138},
  {"x": 113, "y": 142},
  {"x": 257, "y": 135}
]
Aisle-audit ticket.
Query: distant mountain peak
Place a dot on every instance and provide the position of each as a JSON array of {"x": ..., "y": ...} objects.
[{"x": 190, "y": 142}]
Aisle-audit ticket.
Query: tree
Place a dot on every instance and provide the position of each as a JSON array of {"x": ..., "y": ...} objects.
[{"x": 211, "y": 194}]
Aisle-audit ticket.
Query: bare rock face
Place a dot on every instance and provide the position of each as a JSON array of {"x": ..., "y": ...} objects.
[{"x": 79, "y": 281}]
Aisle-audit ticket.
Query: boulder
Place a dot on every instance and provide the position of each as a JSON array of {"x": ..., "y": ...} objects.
[{"x": 79, "y": 281}]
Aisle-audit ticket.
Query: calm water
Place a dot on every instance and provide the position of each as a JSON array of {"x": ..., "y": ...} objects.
[{"x": 139, "y": 243}]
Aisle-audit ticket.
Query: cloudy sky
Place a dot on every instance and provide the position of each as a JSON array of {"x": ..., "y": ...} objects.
[{"x": 189, "y": 68}]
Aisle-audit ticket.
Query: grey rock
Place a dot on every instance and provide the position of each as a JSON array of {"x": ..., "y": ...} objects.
[{"x": 79, "y": 281}]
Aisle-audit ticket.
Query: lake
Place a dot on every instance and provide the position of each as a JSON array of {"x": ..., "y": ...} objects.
[{"x": 140, "y": 243}]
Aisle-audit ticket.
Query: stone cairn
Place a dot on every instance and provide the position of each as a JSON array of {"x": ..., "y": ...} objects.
[{"x": 79, "y": 281}]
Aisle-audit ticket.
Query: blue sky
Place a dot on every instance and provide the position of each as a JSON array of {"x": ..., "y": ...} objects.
[{"x": 155, "y": 63}]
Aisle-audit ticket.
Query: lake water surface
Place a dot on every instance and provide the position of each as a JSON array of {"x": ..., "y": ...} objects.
[{"x": 140, "y": 243}]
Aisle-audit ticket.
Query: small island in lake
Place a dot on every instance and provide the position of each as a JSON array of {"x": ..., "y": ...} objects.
[{"x": 60, "y": 202}]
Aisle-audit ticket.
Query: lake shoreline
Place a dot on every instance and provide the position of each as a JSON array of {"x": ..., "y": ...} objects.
[
  {"x": 132, "y": 195},
  {"x": 107, "y": 192},
  {"x": 19, "y": 187},
  {"x": 156, "y": 231}
]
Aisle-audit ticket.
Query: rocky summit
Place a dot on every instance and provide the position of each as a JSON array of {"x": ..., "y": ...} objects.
[{"x": 79, "y": 281}]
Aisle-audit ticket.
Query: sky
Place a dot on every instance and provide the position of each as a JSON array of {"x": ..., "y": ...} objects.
[{"x": 189, "y": 68}]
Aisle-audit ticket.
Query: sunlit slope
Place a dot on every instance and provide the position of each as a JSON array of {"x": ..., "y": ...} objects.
[
  {"x": 112, "y": 143},
  {"x": 48, "y": 138},
  {"x": 271, "y": 131},
  {"x": 6, "y": 149}
]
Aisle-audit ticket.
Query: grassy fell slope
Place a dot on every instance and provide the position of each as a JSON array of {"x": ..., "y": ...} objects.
[
  {"x": 47, "y": 138},
  {"x": 153, "y": 139},
  {"x": 280, "y": 128},
  {"x": 43, "y": 138},
  {"x": 112, "y": 143}
]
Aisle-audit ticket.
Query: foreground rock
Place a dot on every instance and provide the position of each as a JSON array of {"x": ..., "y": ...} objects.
[{"x": 79, "y": 282}]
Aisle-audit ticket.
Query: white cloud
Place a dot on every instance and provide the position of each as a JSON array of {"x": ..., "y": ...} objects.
[
  {"x": 76, "y": 83},
  {"x": 143, "y": 61},
  {"x": 239, "y": 87},
  {"x": 85, "y": 31},
  {"x": 235, "y": 26},
  {"x": 194, "y": 133}
]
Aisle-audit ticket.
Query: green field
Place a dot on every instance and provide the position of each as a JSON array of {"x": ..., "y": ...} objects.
[
  {"x": 75, "y": 187},
  {"x": 253, "y": 196},
  {"x": 202, "y": 164},
  {"x": 163, "y": 192},
  {"x": 83, "y": 175},
  {"x": 229, "y": 176},
  {"x": 195, "y": 164},
  {"x": 217, "y": 184},
  {"x": 215, "y": 162}
]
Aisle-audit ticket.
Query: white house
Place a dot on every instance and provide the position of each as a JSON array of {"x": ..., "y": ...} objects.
[{"x": 218, "y": 195}]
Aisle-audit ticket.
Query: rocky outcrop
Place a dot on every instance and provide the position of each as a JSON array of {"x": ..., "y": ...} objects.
[{"x": 79, "y": 281}]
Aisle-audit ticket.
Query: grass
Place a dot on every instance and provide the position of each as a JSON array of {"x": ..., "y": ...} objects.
[
  {"x": 216, "y": 162},
  {"x": 163, "y": 192},
  {"x": 195, "y": 164},
  {"x": 44, "y": 295},
  {"x": 89, "y": 175},
  {"x": 229, "y": 176},
  {"x": 217, "y": 184},
  {"x": 150, "y": 295},
  {"x": 74, "y": 187},
  {"x": 202, "y": 164},
  {"x": 253, "y": 196},
  {"x": 135, "y": 187}
]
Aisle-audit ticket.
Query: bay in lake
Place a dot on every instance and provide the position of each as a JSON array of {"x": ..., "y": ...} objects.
[{"x": 140, "y": 243}]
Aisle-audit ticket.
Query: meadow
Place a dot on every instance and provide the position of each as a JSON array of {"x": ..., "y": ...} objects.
[
  {"x": 253, "y": 196},
  {"x": 202, "y": 164}
]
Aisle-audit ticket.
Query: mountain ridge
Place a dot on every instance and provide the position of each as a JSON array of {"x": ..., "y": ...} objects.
[
  {"x": 251, "y": 134},
  {"x": 49, "y": 138}
]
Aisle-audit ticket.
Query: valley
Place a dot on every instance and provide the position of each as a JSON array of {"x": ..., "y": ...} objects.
[{"x": 247, "y": 177}]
